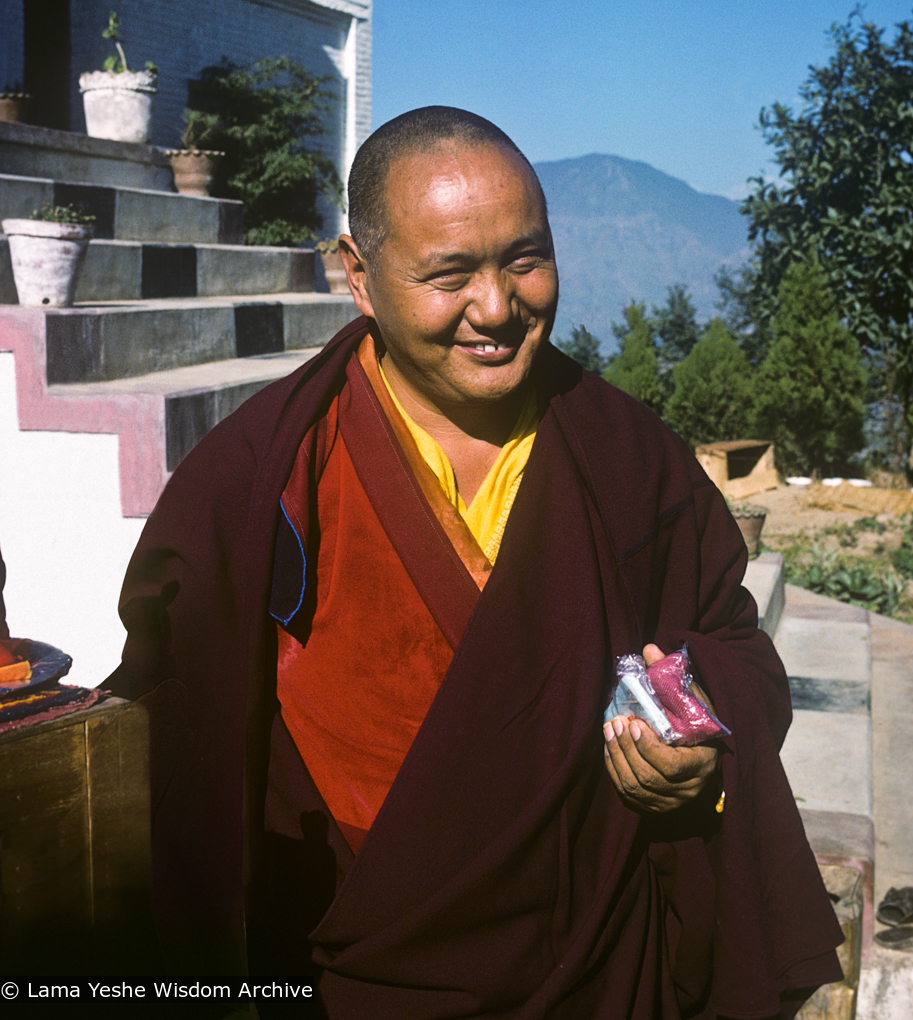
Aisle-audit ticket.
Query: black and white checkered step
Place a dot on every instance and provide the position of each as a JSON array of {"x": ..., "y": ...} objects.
[
  {"x": 133, "y": 271},
  {"x": 104, "y": 342},
  {"x": 129, "y": 214}
]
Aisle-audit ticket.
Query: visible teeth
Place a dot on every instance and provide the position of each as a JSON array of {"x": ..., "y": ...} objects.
[{"x": 491, "y": 348}]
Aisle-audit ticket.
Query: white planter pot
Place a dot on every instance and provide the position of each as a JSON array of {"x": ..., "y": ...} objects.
[
  {"x": 47, "y": 259},
  {"x": 118, "y": 106}
]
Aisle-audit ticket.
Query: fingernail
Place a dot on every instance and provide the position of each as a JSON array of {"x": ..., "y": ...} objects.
[
  {"x": 618, "y": 726},
  {"x": 635, "y": 731},
  {"x": 608, "y": 732}
]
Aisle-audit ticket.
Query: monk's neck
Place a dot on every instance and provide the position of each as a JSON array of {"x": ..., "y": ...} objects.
[{"x": 471, "y": 436}]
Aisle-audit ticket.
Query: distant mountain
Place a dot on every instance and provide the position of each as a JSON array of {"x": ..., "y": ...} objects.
[{"x": 625, "y": 230}]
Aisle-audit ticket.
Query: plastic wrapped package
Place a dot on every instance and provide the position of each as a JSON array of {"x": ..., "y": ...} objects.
[{"x": 661, "y": 696}]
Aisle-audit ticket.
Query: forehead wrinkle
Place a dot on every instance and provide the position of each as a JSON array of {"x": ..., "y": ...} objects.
[{"x": 446, "y": 185}]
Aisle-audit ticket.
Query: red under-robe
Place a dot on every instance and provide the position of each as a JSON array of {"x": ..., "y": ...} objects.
[{"x": 502, "y": 877}]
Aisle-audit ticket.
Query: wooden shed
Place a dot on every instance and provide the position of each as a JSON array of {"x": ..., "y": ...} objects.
[{"x": 740, "y": 467}]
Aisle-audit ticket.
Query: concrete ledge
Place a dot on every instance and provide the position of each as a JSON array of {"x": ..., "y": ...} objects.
[
  {"x": 133, "y": 271},
  {"x": 764, "y": 579},
  {"x": 847, "y": 840},
  {"x": 129, "y": 214},
  {"x": 105, "y": 342},
  {"x": 64, "y": 155},
  {"x": 42, "y": 152}
]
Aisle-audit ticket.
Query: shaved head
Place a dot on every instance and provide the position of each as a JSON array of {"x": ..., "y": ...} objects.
[{"x": 429, "y": 129}]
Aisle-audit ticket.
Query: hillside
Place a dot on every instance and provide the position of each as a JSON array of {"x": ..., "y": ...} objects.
[{"x": 625, "y": 230}]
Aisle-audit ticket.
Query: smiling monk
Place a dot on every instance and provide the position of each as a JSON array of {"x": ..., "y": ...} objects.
[{"x": 375, "y": 616}]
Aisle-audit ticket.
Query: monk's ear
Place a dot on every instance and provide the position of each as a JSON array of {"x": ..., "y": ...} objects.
[{"x": 356, "y": 273}]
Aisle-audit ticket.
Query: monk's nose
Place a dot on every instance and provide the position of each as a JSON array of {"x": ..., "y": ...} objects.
[{"x": 491, "y": 303}]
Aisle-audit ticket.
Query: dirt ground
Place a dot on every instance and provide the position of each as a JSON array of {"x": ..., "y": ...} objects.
[
  {"x": 809, "y": 510},
  {"x": 790, "y": 511},
  {"x": 864, "y": 525}
]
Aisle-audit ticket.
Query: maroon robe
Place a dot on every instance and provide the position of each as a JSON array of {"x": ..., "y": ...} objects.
[{"x": 503, "y": 876}]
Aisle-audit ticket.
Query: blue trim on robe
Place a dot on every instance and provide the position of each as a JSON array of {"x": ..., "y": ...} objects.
[{"x": 289, "y": 567}]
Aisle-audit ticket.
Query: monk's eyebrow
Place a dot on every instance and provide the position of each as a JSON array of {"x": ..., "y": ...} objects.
[
  {"x": 538, "y": 239},
  {"x": 436, "y": 261}
]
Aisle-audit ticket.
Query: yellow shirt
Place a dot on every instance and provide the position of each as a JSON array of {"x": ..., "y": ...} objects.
[{"x": 486, "y": 517}]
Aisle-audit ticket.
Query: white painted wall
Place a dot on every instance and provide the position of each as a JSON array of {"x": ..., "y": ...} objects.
[{"x": 64, "y": 541}]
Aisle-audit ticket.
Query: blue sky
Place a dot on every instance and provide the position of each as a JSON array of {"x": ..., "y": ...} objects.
[{"x": 676, "y": 84}]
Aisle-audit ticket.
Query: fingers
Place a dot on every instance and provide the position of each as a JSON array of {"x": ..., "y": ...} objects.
[
  {"x": 650, "y": 776},
  {"x": 653, "y": 653},
  {"x": 636, "y": 780}
]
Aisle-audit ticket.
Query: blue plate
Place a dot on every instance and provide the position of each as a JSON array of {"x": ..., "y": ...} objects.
[{"x": 48, "y": 664}]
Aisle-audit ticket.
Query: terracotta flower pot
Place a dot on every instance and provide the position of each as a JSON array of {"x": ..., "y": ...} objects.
[
  {"x": 118, "y": 105},
  {"x": 47, "y": 259},
  {"x": 13, "y": 105},
  {"x": 193, "y": 169},
  {"x": 750, "y": 520},
  {"x": 335, "y": 272}
]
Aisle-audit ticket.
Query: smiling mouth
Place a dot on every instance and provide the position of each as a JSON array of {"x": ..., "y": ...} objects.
[{"x": 488, "y": 348}]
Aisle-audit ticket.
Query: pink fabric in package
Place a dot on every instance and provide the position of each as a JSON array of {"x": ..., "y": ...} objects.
[
  {"x": 689, "y": 716},
  {"x": 661, "y": 695}
]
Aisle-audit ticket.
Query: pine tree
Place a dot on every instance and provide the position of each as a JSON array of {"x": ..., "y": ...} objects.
[
  {"x": 584, "y": 348},
  {"x": 675, "y": 324},
  {"x": 810, "y": 387},
  {"x": 635, "y": 368},
  {"x": 713, "y": 396}
]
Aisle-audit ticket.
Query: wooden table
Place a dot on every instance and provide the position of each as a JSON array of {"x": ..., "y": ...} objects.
[{"x": 74, "y": 844}]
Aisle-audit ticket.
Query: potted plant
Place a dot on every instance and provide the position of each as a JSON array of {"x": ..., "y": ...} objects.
[
  {"x": 13, "y": 102},
  {"x": 272, "y": 114},
  {"x": 118, "y": 101},
  {"x": 750, "y": 519},
  {"x": 47, "y": 251},
  {"x": 333, "y": 268},
  {"x": 194, "y": 166}
]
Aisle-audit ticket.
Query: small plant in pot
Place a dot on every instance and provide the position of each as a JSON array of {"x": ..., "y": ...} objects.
[
  {"x": 193, "y": 165},
  {"x": 47, "y": 252},
  {"x": 750, "y": 519},
  {"x": 13, "y": 103},
  {"x": 333, "y": 268},
  {"x": 118, "y": 101}
]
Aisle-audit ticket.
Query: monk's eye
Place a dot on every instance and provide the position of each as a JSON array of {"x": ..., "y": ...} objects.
[
  {"x": 526, "y": 263},
  {"x": 450, "y": 279}
]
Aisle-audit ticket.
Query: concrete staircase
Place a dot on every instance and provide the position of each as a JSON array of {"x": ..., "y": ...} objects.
[
  {"x": 848, "y": 759},
  {"x": 176, "y": 323}
]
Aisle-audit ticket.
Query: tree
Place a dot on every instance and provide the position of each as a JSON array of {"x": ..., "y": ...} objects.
[
  {"x": 584, "y": 348},
  {"x": 810, "y": 387},
  {"x": 270, "y": 114},
  {"x": 675, "y": 324},
  {"x": 741, "y": 313},
  {"x": 847, "y": 192},
  {"x": 635, "y": 368},
  {"x": 713, "y": 396}
]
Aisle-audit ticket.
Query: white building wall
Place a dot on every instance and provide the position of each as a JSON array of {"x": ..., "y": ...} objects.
[
  {"x": 64, "y": 541},
  {"x": 329, "y": 37}
]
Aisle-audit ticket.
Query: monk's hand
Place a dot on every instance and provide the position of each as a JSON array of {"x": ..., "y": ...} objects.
[{"x": 650, "y": 776}]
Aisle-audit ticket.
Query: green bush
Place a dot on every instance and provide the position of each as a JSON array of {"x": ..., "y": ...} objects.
[
  {"x": 902, "y": 558},
  {"x": 269, "y": 116},
  {"x": 810, "y": 387},
  {"x": 713, "y": 396},
  {"x": 635, "y": 368},
  {"x": 853, "y": 581},
  {"x": 902, "y": 561},
  {"x": 584, "y": 348},
  {"x": 62, "y": 214}
]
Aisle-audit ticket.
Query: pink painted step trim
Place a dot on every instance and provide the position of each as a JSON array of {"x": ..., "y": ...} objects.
[{"x": 138, "y": 419}]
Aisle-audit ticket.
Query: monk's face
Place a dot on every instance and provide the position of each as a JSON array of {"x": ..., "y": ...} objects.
[{"x": 465, "y": 288}]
